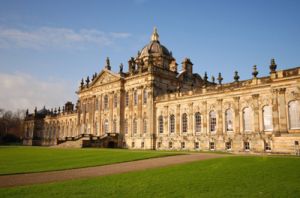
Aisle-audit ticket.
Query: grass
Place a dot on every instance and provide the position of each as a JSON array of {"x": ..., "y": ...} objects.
[
  {"x": 21, "y": 159},
  {"x": 224, "y": 177}
]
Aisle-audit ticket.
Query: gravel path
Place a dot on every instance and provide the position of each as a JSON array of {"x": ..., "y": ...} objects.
[{"x": 55, "y": 176}]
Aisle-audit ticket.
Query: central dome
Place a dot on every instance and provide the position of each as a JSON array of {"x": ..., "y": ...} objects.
[{"x": 154, "y": 48}]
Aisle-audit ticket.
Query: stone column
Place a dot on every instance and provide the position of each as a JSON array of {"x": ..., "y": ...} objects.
[
  {"x": 111, "y": 111},
  {"x": 140, "y": 112},
  {"x": 165, "y": 116},
  {"x": 236, "y": 107},
  {"x": 255, "y": 112},
  {"x": 190, "y": 119},
  {"x": 275, "y": 112},
  {"x": 204, "y": 116},
  {"x": 100, "y": 115},
  {"x": 177, "y": 119},
  {"x": 151, "y": 114},
  {"x": 220, "y": 117},
  {"x": 282, "y": 111}
]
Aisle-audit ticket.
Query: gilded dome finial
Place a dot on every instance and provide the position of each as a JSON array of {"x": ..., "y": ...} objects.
[{"x": 155, "y": 36}]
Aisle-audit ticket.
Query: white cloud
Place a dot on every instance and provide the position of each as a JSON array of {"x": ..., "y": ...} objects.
[
  {"x": 49, "y": 37},
  {"x": 22, "y": 91}
]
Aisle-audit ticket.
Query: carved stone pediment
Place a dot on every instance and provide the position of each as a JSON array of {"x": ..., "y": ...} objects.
[{"x": 105, "y": 77}]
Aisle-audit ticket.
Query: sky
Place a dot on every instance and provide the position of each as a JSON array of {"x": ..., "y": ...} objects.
[{"x": 47, "y": 47}]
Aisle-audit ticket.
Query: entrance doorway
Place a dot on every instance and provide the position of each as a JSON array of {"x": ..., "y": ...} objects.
[{"x": 111, "y": 144}]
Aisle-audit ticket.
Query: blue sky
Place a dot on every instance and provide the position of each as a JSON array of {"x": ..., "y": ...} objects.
[{"x": 57, "y": 42}]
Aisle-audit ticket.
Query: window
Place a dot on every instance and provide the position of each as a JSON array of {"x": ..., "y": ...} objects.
[
  {"x": 106, "y": 126},
  {"x": 211, "y": 146},
  {"x": 184, "y": 123},
  {"x": 182, "y": 145},
  {"x": 247, "y": 119},
  {"x": 294, "y": 114},
  {"x": 158, "y": 144},
  {"x": 132, "y": 144},
  {"x": 96, "y": 128},
  {"x": 170, "y": 145},
  {"x": 115, "y": 101},
  {"x": 228, "y": 145},
  {"x": 267, "y": 118},
  {"x": 145, "y": 96},
  {"x": 228, "y": 120},
  {"x": 197, "y": 122},
  {"x": 267, "y": 146},
  {"x": 115, "y": 126},
  {"x": 196, "y": 145},
  {"x": 105, "y": 102},
  {"x": 126, "y": 99},
  {"x": 134, "y": 126},
  {"x": 135, "y": 98},
  {"x": 160, "y": 124},
  {"x": 172, "y": 123},
  {"x": 212, "y": 121},
  {"x": 247, "y": 146},
  {"x": 126, "y": 126},
  {"x": 142, "y": 144},
  {"x": 97, "y": 104},
  {"x": 145, "y": 125}
]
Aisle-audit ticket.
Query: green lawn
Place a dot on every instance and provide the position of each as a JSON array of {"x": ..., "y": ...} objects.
[
  {"x": 21, "y": 159},
  {"x": 225, "y": 177}
]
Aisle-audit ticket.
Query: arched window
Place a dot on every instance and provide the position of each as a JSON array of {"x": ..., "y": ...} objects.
[
  {"x": 135, "y": 97},
  {"x": 247, "y": 118},
  {"x": 115, "y": 126},
  {"x": 106, "y": 102},
  {"x": 228, "y": 120},
  {"x": 294, "y": 114},
  {"x": 145, "y": 125},
  {"x": 126, "y": 99},
  {"x": 126, "y": 126},
  {"x": 134, "y": 126},
  {"x": 267, "y": 118},
  {"x": 106, "y": 126},
  {"x": 160, "y": 124},
  {"x": 197, "y": 122},
  {"x": 115, "y": 101},
  {"x": 184, "y": 123},
  {"x": 172, "y": 123},
  {"x": 212, "y": 121}
]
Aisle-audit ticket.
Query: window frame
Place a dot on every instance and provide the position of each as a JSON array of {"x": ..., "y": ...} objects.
[
  {"x": 106, "y": 101},
  {"x": 247, "y": 122},
  {"x": 160, "y": 124},
  {"x": 172, "y": 123},
  {"x": 198, "y": 122},
  {"x": 293, "y": 112},
  {"x": 212, "y": 121},
  {"x": 265, "y": 118},
  {"x": 126, "y": 99},
  {"x": 134, "y": 126},
  {"x": 115, "y": 101},
  {"x": 184, "y": 123},
  {"x": 145, "y": 96},
  {"x": 106, "y": 126},
  {"x": 135, "y": 98},
  {"x": 229, "y": 118}
]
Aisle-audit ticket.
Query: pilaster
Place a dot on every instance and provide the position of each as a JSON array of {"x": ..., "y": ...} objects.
[
  {"x": 255, "y": 112},
  {"x": 236, "y": 107}
]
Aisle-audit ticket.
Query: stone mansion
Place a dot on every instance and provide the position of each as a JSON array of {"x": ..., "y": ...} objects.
[{"x": 156, "y": 105}]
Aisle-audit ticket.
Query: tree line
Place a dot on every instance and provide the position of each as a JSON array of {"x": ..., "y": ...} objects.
[{"x": 11, "y": 123}]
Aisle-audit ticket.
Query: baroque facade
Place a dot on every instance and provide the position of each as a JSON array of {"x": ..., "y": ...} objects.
[{"x": 156, "y": 106}]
